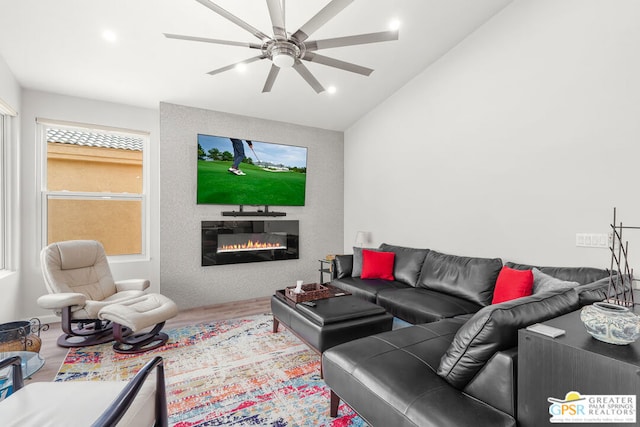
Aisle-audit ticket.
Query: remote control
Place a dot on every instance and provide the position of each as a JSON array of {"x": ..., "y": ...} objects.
[
  {"x": 547, "y": 330},
  {"x": 309, "y": 303}
]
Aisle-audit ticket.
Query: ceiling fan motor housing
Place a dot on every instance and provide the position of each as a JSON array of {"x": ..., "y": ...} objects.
[{"x": 283, "y": 53}]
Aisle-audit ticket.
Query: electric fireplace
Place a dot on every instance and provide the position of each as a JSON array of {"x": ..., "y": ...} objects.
[{"x": 234, "y": 242}]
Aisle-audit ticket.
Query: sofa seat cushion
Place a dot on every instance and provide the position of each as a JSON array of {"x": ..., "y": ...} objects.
[
  {"x": 390, "y": 380},
  {"x": 495, "y": 328},
  {"x": 464, "y": 277},
  {"x": 418, "y": 305},
  {"x": 582, "y": 275},
  {"x": 366, "y": 288}
]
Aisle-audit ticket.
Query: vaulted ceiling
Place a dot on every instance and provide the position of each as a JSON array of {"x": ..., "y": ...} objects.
[{"x": 58, "y": 46}]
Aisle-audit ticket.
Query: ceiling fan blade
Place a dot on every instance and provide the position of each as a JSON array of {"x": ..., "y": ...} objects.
[
  {"x": 306, "y": 74},
  {"x": 231, "y": 17},
  {"x": 276, "y": 12},
  {"x": 383, "y": 36},
  {"x": 232, "y": 66},
  {"x": 271, "y": 78},
  {"x": 336, "y": 63},
  {"x": 215, "y": 41},
  {"x": 321, "y": 18}
]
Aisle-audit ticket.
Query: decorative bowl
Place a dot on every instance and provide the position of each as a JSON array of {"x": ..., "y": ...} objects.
[
  {"x": 611, "y": 323},
  {"x": 18, "y": 336}
]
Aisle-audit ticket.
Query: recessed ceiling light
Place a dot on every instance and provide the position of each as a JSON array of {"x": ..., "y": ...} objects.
[
  {"x": 331, "y": 90},
  {"x": 109, "y": 36},
  {"x": 241, "y": 67},
  {"x": 394, "y": 24}
]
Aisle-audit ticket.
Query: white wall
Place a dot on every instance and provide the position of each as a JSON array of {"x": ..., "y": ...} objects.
[
  {"x": 522, "y": 136},
  {"x": 183, "y": 278},
  {"x": 9, "y": 87},
  {"x": 10, "y": 278},
  {"x": 57, "y": 107}
]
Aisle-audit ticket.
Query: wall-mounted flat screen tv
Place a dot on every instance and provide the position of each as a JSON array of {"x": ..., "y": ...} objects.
[{"x": 234, "y": 171}]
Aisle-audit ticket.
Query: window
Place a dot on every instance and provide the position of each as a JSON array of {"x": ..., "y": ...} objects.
[{"x": 93, "y": 186}]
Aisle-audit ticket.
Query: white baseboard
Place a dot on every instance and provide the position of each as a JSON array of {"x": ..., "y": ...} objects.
[{"x": 49, "y": 318}]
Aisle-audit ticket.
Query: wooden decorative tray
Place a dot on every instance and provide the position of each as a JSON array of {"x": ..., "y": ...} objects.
[{"x": 310, "y": 292}]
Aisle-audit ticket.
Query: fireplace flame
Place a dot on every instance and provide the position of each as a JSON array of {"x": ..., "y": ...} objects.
[{"x": 250, "y": 245}]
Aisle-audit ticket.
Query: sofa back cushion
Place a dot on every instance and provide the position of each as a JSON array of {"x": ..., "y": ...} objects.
[
  {"x": 599, "y": 290},
  {"x": 465, "y": 277},
  {"x": 581, "y": 275},
  {"x": 495, "y": 328},
  {"x": 408, "y": 263},
  {"x": 594, "y": 291}
]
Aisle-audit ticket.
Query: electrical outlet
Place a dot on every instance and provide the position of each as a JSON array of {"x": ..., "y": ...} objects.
[
  {"x": 603, "y": 240},
  {"x": 593, "y": 240}
]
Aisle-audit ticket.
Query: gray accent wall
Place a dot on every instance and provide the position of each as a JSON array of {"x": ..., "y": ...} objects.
[{"x": 321, "y": 219}]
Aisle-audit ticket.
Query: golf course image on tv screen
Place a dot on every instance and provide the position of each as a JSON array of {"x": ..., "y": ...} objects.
[{"x": 234, "y": 171}]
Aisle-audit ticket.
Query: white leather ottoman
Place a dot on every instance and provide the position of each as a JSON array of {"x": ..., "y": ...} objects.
[{"x": 136, "y": 314}]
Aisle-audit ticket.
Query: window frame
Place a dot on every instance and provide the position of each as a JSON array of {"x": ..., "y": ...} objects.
[
  {"x": 8, "y": 189},
  {"x": 46, "y": 194}
]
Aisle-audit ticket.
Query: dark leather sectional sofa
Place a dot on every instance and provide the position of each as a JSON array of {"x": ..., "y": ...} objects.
[{"x": 457, "y": 365}]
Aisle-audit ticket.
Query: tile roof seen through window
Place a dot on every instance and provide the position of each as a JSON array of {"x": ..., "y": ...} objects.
[{"x": 94, "y": 139}]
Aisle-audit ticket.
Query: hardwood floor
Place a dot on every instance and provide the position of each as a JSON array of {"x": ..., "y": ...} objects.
[{"x": 54, "y": 355}]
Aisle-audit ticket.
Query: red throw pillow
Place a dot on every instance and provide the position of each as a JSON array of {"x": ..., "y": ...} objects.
[
  {"x": 377, "y": 265},
  {"x": 512, "y": 284}
]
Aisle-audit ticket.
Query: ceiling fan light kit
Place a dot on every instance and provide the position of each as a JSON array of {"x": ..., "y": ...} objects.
[
  {"x": 286, "y": 50},
  {"x": 282, "y": 53}
]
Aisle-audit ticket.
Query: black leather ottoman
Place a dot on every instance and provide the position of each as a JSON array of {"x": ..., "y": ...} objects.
[{"x": 332, "y": 321}]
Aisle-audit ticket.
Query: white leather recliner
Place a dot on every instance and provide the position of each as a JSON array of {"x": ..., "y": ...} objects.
[{"x": 78, "y": 278}]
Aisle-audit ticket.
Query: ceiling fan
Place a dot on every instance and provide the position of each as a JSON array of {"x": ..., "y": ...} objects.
[{"x": 285, "y": 50}]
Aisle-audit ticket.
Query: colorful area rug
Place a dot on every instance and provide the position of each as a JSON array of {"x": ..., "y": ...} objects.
[{"x": 226, "y": 373}]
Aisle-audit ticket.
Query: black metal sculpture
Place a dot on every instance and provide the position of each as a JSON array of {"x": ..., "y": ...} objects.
[{"x": 621, "y": 279}]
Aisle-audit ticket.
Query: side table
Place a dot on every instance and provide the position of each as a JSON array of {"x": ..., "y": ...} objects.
[
  {"x": 325, "y": 268},
  {"x": 574, "y": 362}
]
